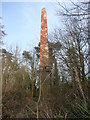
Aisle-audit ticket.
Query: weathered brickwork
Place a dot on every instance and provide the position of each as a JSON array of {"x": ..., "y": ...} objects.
[{"x": 44, "y": 49}]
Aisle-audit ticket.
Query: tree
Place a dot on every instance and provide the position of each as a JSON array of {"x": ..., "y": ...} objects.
[
  {"x": 80, "y": 12},
  {"x": 72, "y": 57},
  {"x": 2, "y": 34}
]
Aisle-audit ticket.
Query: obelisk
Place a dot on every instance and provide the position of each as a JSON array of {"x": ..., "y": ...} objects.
[
  {"x": 44, "y": 67},
  {"x": 44, "y": 49}
]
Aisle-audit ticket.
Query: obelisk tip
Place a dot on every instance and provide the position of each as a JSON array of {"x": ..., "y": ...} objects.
[{"x": 43, "y": 9}]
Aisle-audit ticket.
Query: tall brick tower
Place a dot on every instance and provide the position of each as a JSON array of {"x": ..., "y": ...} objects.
[
  {"x": 44, "y": 67},
  {"x": 44, "y": 49}
]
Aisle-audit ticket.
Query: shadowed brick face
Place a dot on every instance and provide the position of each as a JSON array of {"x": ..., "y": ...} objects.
[{"x": 44, "y": 49}]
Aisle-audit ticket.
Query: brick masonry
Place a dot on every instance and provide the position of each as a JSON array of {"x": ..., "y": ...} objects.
[{"x": 44, "y": 48}]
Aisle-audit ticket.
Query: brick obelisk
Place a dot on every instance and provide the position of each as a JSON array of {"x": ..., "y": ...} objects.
[
  {"x": 44, "y": 49},
  {"x": 44, "y": 67}
]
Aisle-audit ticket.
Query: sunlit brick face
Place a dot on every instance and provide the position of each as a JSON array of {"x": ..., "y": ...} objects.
[{"x": 44, "y": 49}]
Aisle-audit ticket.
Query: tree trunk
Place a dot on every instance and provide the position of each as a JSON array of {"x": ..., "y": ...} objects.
[{"x": 80, "y": 87}]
